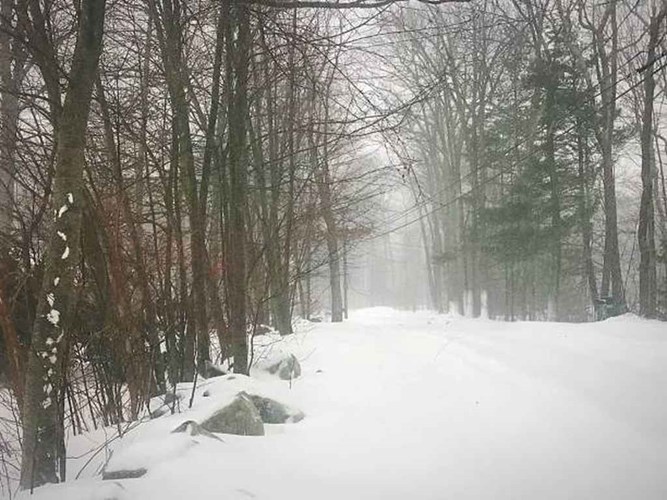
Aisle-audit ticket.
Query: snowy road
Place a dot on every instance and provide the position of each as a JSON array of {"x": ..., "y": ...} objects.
[
  {"x": 420, "y": 406},
  {"x": 416, "y": 406}
]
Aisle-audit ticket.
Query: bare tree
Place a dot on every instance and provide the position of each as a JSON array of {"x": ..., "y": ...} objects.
[
  {"x": 43, "y": 448},
  {"x": 646, "y": 227}
]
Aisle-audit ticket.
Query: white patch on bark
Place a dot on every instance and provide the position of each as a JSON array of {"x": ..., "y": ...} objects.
[
  {"x": 62, "y": 235},
  {"x": 48, "y": 388},
  {"x": 70, "y": 198},
  {"x": 53, "y": 358},
  {"x": 60, "y": 337},
  {"x": 65, "y": 253},
  {"x": 46, "y": 403},
  {"x": 62, "y": 211},
  {"x": 50, "y": 298},
  {"x": 49, "y": 372},
  {"x": 53, "y": 317},
  {"x": 50, "y": 341},
  {"x": 56, "y": 281}
]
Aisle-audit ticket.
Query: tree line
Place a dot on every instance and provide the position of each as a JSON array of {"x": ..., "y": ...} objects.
[
  {"x": 173, "y": 174},
  {"x": 534, "y": 109}
]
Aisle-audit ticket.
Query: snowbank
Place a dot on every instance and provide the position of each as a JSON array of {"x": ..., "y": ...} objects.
[{"x": 420, "y": 406}]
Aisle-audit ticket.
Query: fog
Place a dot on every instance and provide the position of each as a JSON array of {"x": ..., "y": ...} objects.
[{"x": 246, "y": 217}]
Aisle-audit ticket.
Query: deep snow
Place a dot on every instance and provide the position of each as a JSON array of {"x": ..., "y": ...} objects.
[{"x": 404, "y": 405}]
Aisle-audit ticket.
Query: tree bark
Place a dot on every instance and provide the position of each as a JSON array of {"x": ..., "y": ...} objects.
[
  {"x": 238, "y": 48},
  {"x": 42, "y": 417},
  {"x": 646, "y": 229},
  {"x": 612, "y": 274},
  {"x": 9, "y": 114},
  {"x": 585, "y": 219},
  {"x": 554, "y": 191}
]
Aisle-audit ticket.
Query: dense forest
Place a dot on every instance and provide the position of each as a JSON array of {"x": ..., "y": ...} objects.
[{"x": 177, "y": 177}]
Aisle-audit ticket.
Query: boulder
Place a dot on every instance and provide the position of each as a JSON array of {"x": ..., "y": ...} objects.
[
  {"x": 274, "y": 412},
  {"x": 287, "y": 367},
  {"x": 239, "y": 417},
  {"x": 123, "y": 474}
]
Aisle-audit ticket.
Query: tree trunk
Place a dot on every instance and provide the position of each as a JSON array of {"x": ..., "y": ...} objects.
[
  {"x": 172, "y": 43},
  {"x": 585, "y": 220},
  {"x": 148, "y": 306},
  {"x": 346, "y": 304},
  {"x": 554, "y": 188},
  {"x": 612, "y": 275},
  {"x": 238, "y": 48},
  {"x": 9, "y": 114},
  {"x": 646, "y": 229},
  {"x": 42, "y": 417},
  {"x": 332, "y": 249}
]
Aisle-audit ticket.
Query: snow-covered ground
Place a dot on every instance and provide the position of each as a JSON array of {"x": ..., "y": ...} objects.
[{"x": 406, "y": 405}]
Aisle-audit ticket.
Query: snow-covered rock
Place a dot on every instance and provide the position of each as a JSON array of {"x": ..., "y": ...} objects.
[
  {"x": 240, "y": 417},
  {"x": 274, "y": 412},
  {"x": 123, "y": 474},
  {"x": 285, "y": 365}
]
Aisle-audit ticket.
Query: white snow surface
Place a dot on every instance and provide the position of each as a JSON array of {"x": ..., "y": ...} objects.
[{"x": 403, "y": 405}]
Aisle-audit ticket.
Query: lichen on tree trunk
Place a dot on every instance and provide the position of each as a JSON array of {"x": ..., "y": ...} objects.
[{"x": 42, "y": 409}]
